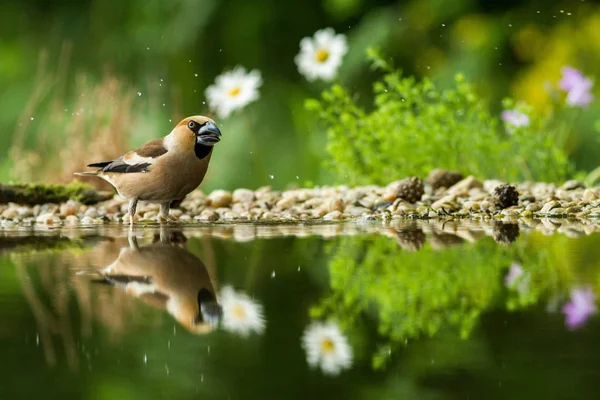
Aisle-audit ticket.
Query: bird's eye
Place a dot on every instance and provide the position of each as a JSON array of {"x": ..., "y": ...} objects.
[{"x": 192, "y": 124}]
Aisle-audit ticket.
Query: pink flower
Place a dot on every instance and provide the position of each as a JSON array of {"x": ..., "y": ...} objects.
[
  {"x": 515, "y": 118},
  {"x": 577, "y": 86},
  {"x": 581, "y": 306}
]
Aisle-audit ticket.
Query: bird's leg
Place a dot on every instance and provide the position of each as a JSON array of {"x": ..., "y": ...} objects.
[
  {"x": 132, "y": 210},
  {"x": 163, "y": 215},
  {"x": 132, "y": 239}
]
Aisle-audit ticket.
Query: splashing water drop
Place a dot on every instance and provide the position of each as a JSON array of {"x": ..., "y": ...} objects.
[
  {"x": 139, "y": 94},
  {"x": 272, "y": 176}
]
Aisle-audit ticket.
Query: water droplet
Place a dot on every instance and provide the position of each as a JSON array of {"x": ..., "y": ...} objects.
[
  {"x": 37, "y": 339},
  {"x": 145, "y": 359},
  {"x": 298, "y": 268},
  {"x": 203, "y": 102},
  {"x": 208, "y": 349},
  {"x": 562, "y": 11},
  {"x": 201, "y": 377},
  {"x": 167, "y": 369},
  {"x": 272, "y": 176},
  {"x": 147, "y": 48},
  {"x": 32, "y": 118},
  {"x": 164, "y": 104},
  {"x": 510, "y": 25},
  {"x": 297, "y": 177},
  {"x": 139, "y": 94},
  {"x": 169, "y": 344},
  {"x": 174, "y": 327},
  {"x": 273, "y": 274},
  {"x": 171, "y": 121},
  {"x": 189, "y": 60},
  {"x": 443, "y": 24},
  {"x": 196, "y": 75}
]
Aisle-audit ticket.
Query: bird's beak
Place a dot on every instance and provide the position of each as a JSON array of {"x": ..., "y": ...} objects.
[
  {"x": 208, "y": 134},
  {"x": 210, "y": 313}
]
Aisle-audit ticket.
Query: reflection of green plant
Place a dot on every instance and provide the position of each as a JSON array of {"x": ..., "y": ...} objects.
[
  {"x": 426, "y": 292},
  {"x": 417, "y": 126}
]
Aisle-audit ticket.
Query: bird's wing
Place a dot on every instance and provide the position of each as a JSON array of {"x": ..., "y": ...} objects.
[{"x": 139, "y": 160}]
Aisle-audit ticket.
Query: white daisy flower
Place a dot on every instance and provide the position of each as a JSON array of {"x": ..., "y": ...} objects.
[
  {"x": 233, "y": 90},
  {"x": 320, "y": 57},
  {"x": 241, "y": 314},
  {"x": 327, "y": 347}
]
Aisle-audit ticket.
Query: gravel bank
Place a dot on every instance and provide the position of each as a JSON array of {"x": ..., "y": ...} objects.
[{"x": 469, "y": 198}]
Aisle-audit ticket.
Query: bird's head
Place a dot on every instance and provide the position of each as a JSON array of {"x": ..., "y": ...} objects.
[
  {"x": 200, "y": 315},
  {"x": 201, "y": 128}
]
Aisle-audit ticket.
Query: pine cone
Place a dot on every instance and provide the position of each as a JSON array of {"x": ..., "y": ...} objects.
[
  {"x": 411, "y": 189},
  {"x": 505, "y": 196},
  {"x": 506, "y": 233},
  {"x": 410, "y": 239},
  {"x": 441, "y": 178}
]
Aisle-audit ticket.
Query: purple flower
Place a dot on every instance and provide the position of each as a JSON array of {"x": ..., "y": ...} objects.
[
  {"x": 515, "y": 118},
  {"x": 577, "y": 86},
  {"x": 581, "y": 306}
]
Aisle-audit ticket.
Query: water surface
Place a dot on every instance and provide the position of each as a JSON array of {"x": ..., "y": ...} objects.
[{"x": 412, "y": 310}]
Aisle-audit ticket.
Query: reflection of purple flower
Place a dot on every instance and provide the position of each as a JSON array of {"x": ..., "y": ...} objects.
[
  {"x": 581, "y": 306},
  {"x": 517, "y": 279},
  {"x": 515, "y": 118},
  {"x": 514, "y": 272},
  {"x": 577, "y": 87}
]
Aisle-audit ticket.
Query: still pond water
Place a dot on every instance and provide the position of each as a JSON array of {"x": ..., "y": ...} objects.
[{"x": 417, "y": 310}]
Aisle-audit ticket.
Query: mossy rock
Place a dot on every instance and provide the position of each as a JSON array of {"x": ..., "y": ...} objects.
[{"x": 40, "y": 193}]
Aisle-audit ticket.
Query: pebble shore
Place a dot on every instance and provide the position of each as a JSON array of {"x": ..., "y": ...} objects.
[{"x": 470, "y": 199}]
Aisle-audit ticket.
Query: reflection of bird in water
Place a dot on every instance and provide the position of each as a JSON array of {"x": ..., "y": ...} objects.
[{"x": 169, "y": 277}]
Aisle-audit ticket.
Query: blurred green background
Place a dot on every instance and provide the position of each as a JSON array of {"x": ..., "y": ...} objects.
[{"x": 159, "y": 56}]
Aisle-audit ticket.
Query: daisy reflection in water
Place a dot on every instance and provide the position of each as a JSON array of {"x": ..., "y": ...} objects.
[
  {"x": 326, "y": 347},
  {"x": 241, "y": 314}
]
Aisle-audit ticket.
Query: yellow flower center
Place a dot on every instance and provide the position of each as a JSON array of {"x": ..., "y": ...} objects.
[
  {"x": 239, "y": 311},
  {"x": 235, "y": 91},
  {"x": 321, "y": 55},
  {"x": 327, "y": 346}
]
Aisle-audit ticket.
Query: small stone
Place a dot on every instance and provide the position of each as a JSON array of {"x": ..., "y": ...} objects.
[
  {"x": 69, "y": 208},
  {"x": 533, "y": 207},
  {"x": 463, "y": 187},
  {"x": 208, "y": 215},
  {"x": 243, "y": 196},
  {"x": 549, "y": 206},
  {"x": 589, "y": 195},
  {"x": 220, "y": 198},
  {"x": 86, "y": 221},
  {"x": 334, "y": 215},
  {"x": 572, "y": 185},
  {"x": 185, "y": 218},
  {"x": 48, "y": 219},
  {"x": 91, "y": 212},
  {"x": 439, "y": 178},
  {"x": 334, "y": 204},
  {"x": 10, "y": 213},
  {"x": 355, "y": 211},
  {"x": 285, "y": 203},
  {"x": 72, "y": 220}
]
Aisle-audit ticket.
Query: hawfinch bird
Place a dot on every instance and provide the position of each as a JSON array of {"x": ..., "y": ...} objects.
[
  {"x": 163, "y": 170},
  {"x": 170, "y": 278}
]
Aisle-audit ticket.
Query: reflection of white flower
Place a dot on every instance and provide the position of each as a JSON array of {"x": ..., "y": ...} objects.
[
  {"x": 241, "y": 314},
  {"x": 233, "y": 90},
  {"x": 321, "y": 56},
  {"x": 327, "y": 347}
]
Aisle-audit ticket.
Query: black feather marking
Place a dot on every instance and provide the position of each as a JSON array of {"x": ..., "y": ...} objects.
[
  {"x": 124, "y": 279},
  {"x": 126, "y": 168},
  {"x": 202, "y": 150},
  {"x": 100, "y": 164}
]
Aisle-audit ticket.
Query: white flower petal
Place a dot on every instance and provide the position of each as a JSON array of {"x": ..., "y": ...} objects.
[
  {"x": 326, "y": 347},
  {"x": 233, "y": 90},
  {"x": 310, "y": 61}
]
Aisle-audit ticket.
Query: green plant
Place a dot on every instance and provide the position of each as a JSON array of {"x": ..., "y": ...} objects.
[{"x": 416, "y": 126}]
